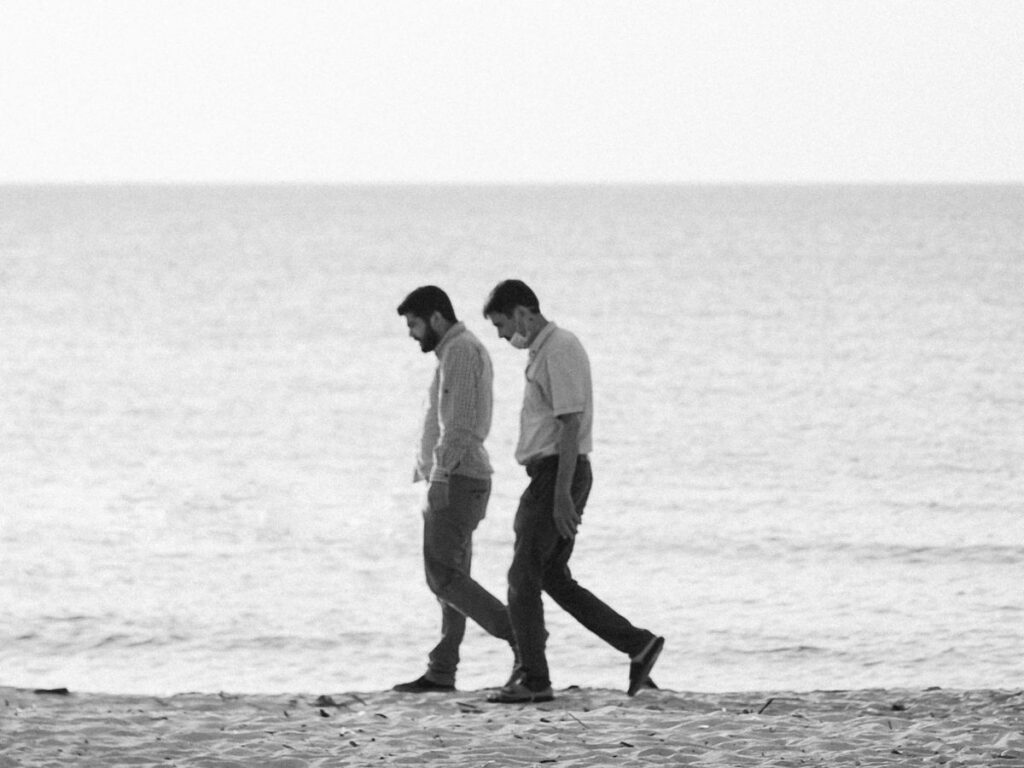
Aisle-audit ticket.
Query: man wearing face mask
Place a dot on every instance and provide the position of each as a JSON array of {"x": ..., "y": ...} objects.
[
  {"x": 554, "y": 443},
  {"x": 453, "y": 460}
]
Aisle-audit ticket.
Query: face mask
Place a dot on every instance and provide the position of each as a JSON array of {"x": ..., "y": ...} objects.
[{"x": 519, "y": 341}]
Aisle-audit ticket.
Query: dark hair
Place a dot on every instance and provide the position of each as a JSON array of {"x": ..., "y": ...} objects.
[
  {"x": 509, "y": 294},
  {"x": 425, "y": 301}
]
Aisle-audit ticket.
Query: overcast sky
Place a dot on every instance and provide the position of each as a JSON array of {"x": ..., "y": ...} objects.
[{"x": 545, "y": 91}]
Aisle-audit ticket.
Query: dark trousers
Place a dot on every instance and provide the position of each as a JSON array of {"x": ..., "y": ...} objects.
[
  {"x": 447, "y": 557},
  {"x": 541, "y": 563}
]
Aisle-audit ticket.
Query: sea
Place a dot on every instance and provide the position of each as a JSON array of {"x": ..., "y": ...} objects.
[{"x": 809, "y": 435}]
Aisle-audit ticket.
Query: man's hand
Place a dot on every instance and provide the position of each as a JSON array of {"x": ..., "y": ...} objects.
[
  {"x": 437, "y": 496},
  {"x": 566, "y": 517},
  {"x": 565, "y": 514}
]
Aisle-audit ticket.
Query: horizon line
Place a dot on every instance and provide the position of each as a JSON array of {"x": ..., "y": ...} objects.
[{"x": 495, "y": 184}]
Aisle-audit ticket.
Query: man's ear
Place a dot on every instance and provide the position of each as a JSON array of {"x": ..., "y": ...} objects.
[{"x": 435, "y": 320}]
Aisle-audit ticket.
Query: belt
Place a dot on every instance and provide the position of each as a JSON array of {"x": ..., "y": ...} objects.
[{"x": 533, "y": 466}]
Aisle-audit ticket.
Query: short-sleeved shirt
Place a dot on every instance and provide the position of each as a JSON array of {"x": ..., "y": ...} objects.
[
  {"x": 458, "y": 413},
  {"x": 557, "y": 383}
]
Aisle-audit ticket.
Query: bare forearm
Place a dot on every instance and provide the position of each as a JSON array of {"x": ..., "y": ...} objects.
[
  {"x": 568, "y": 451},
  {"x": 564, "y": 512}
]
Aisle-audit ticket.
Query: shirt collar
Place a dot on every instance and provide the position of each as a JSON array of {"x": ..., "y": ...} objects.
[
  {"x": 457, "y": 329},
  {"x": 542, "y": 338}
]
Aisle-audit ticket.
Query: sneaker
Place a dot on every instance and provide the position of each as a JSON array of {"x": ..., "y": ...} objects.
[
  {"x": 518, "y": 693},
  {"x": 517, "y": 674},
  {"x": 517, "y": 661},
  {"x": 423, "y": 685},
  {"x": 641, "y": 665}
]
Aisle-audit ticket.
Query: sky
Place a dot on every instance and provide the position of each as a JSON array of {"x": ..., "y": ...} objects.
[{"x": 584, "y": 91}]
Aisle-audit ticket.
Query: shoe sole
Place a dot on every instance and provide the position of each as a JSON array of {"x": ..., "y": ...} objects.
[
  {"x": 538, "y": 698},
  {"x": 645, "y": 667}
]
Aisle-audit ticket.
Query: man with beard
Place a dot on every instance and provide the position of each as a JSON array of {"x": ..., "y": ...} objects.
[{"x": 453, "y": 461}]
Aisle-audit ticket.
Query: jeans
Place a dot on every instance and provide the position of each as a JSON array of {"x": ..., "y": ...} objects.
[
  {"x": 541, "y": 562},
  {"x": 447, "y": 557}
]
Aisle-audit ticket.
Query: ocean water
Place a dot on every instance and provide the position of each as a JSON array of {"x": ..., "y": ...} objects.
[{"x": 809, "y": 452}]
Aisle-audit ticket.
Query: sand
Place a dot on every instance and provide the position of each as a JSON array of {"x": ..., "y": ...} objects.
[{"x": 582, "y": 727}]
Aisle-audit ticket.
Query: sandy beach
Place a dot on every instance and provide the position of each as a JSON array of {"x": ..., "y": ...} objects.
[{"x": 582, "y": 727}]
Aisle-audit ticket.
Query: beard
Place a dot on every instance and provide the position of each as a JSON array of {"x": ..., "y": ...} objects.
[{"x": 430, "y": 340}]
